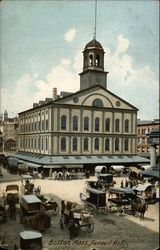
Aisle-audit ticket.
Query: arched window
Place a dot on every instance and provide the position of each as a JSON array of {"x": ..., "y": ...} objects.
[
  {"x": 90, "y": 60},
  {"x": 126, "y": 144},
  {"x": 75, "y": 123},
  {"x": 97, "y": 103},
  {"x": 46, "y": 143},
  {"x": 97, "y": 60},
  {"x": 96, "y": 145},
  {"x": 116, "y": 144},
  {"x": 63, "y": 144},
  {"x": 63, "y": 122},
  {"x": 42, "y": 143},
  {"x": 85, "y": 144},
  {"x": 126, "y": 125},
  {"x": 107, "y": 144},
  {"x": 86, "y": 123},
  {"x": 35, "y": 143},
  {"x": 74, "y": 144},
  {"x": 38, "y": 143},
  {"x": 97, "y": 124},
  {"x": 117, "y": 125},
  {"x": 107, "y": 125},
  {"x": 32, "y": 144}
]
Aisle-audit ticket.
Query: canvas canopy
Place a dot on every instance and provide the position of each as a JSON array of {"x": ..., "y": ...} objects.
[{"x": 100, "y": 169}]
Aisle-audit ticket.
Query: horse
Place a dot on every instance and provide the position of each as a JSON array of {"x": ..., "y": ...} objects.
[{"x": 139, "y": 207}]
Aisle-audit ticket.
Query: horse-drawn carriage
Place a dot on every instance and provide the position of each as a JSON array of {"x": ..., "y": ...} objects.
[
  {"x": 27, "y": 184},
  {"x": 32, "y": 215},
  {"x": 94, "y": 200},
  {"x": 12, "y": 194},
  {"x": 126, "y": 200},
  {"x": 49, "y": 205},
  {"x": 75, "y": 217}
]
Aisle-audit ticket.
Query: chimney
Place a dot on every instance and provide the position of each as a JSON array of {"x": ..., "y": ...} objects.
[{"x": 54, "y": 94}]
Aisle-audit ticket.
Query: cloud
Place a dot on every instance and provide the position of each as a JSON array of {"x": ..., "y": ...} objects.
[
  {"x": 70, "y": 34},
  {"x": 136, "y": 85},
  {"x": 131, "y": 83},
  {"x": 65, "y": 61}
]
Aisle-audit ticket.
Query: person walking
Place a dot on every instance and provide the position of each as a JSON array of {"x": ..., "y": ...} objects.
[{"x": 122, "y": 185}]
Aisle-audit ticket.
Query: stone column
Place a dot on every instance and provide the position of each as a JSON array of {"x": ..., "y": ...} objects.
[{"x": 152, "y": 155}]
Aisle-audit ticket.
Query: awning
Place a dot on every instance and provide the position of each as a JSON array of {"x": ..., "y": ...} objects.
[
  {"x": 52, "y": 166},
  {"x": 63, "y": 166},
  {"x": 33, "y": 165},
  {"x": 80, "y": 159},
  {"x": 152, "y": 172}
]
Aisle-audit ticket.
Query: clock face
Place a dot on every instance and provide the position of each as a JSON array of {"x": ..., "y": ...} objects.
[
  {"x": 118, "y": 104},
  {"x": 75, "y": 99}
]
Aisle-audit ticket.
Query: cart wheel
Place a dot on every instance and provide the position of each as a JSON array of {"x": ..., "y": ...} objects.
[
  {"x": 55, "y": 210},
  {"x": 90, "y": 228},
  {"x": 120, "y": 210},
  {"x": 61, "y": 224},
  {"x": 94, "y": 211}
]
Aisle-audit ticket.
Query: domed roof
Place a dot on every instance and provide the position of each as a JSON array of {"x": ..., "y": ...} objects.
[{"x": 93, "y": 43}]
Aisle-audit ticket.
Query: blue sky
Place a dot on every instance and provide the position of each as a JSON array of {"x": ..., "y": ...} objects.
[{"x": 42, "y": 44}]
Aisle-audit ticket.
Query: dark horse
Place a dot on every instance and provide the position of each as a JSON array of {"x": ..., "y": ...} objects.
[{"x": 139, "y": 207}]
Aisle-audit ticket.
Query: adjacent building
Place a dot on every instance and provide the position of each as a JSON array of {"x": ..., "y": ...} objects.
[
  {"x": 8, "y": 132},
  {"x": 143, "y": 129}
]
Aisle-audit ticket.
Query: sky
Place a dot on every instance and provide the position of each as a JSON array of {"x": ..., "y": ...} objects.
[{"x": 41, "y": 45}]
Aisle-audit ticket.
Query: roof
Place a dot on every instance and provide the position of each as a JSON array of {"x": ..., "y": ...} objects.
[
  {"x": 26, "y": 235},
  {"x": 105, "y": 175},
  {"x": 58, "y": 100},
  {"x": 26, "y": 176},
  {"x": 121, "y": 190},
  {"x": 98, "y": 169},
  {"x": 143, "y": 187},
  {"x": 31, "y": 199},
  {"x": 93, "y": 44},
  {"x": 94, "y": 191},
  {"x": 78, "y": 160}
]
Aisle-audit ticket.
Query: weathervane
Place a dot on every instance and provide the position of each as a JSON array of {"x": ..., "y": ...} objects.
[{"x": 94, "y": 34}]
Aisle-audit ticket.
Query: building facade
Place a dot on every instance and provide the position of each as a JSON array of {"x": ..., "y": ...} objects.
[
  {"x": 9, "y": 133},
  {"x": 92, "y": 121},
  {"x": 143, "y": 128}
]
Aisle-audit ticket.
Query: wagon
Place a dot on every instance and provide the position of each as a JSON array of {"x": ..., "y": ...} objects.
[
  {"x": 31, "y": 214},
  {"x": 78, "y": 216},
  {"x": 12, "y": 194},
  {"x": 95, "y": 201},
  {"x": 49, "y": 205}
]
